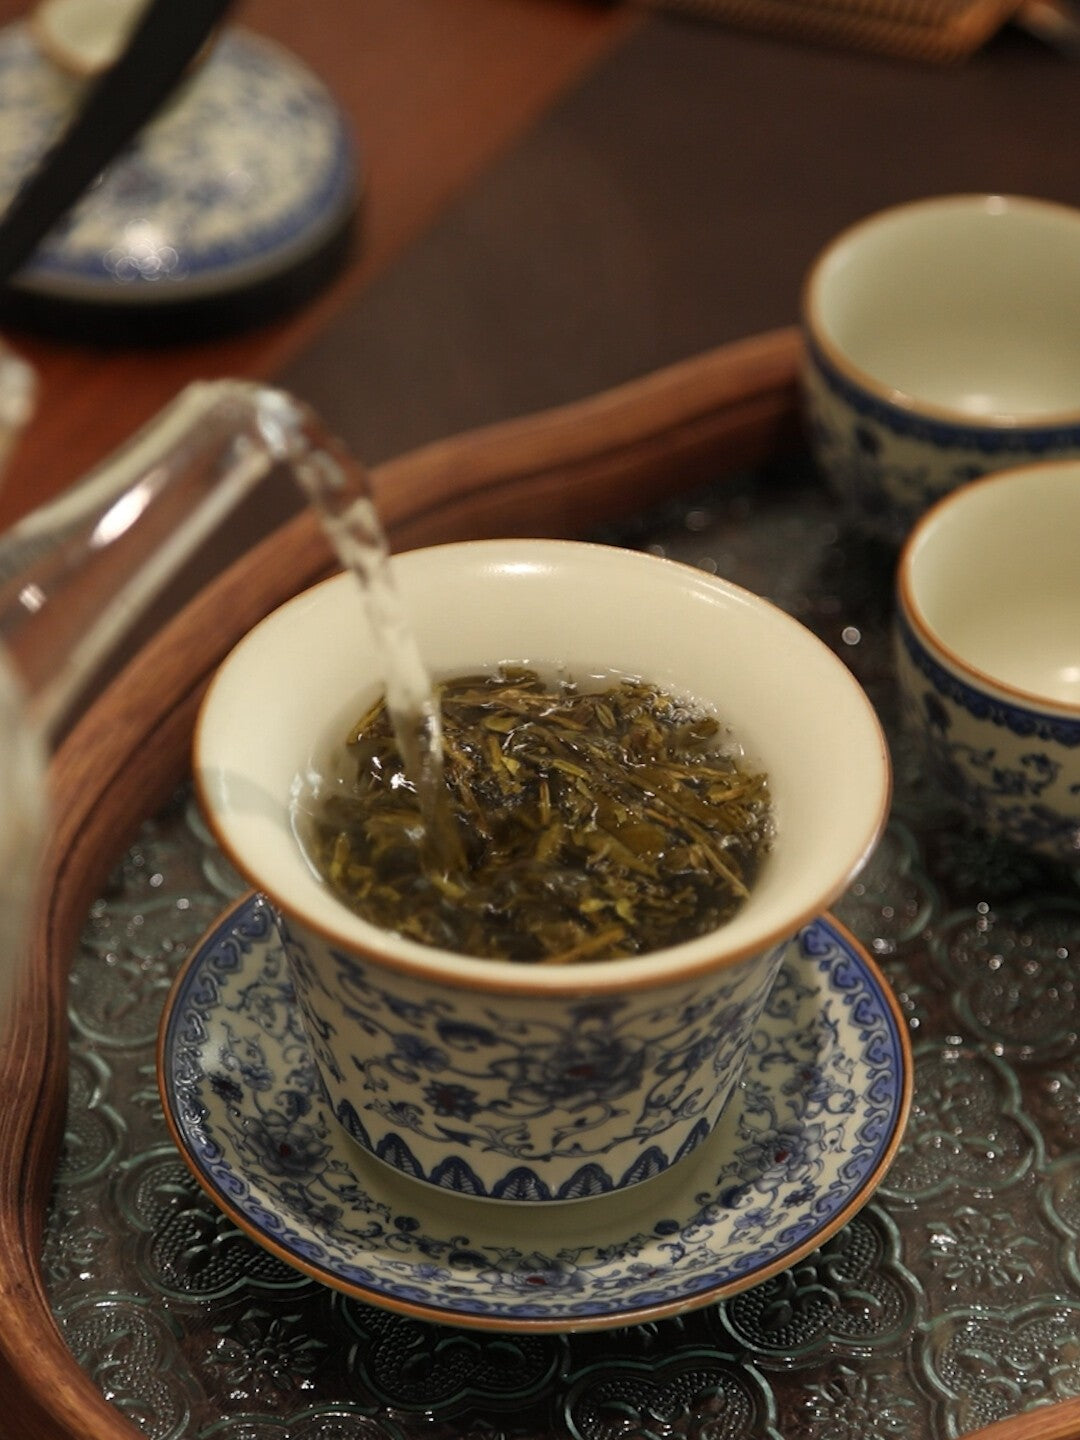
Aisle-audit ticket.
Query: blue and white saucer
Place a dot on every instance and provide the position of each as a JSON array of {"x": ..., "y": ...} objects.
[{"x": 802, "y": 1145}]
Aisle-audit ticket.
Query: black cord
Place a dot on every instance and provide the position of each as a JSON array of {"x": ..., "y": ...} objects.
[{"x": 168, "y": 36}]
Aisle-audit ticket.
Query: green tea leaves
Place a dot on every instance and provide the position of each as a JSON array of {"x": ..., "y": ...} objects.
[{"x": 577, "y": 824}]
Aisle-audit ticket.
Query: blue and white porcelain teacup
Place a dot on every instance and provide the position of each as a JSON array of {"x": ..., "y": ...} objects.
[
  {"x": 941, "y": 344},
  {"x": 541, "y": 1082},
  {"x": 988, "y": 650}
]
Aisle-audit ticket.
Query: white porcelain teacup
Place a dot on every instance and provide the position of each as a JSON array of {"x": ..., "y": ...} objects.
[
  {"x": 988, "y": 651},
  {"x": 942, "y": 342},
  {"x": 541, "y": 1082}
]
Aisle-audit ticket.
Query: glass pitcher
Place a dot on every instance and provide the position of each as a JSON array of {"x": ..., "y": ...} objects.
[{"x": 78, "y": 573}]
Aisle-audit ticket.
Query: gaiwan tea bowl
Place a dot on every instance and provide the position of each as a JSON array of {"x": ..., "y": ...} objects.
[
  {"x": 525, "y": 1082},
  {"x": 988, "y": 652}
]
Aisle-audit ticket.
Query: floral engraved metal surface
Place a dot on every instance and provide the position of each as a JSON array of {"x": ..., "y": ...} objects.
[
  {"x": 1054, "y": 1099},
  {"x": 981, "y": 1251},
  {"x": 1061, "y": 1200},
  {"x": 966, "y": 1130},
  {"x": 136, "y": 936},
  {"x": 986, "y": 1364},
  {"x": 852, "y": 1403},
  {"x": 185, "y": 1248},
  {"x": 133, "y": 1350},
  {"x": 952, "y": 1300},
  {"x": 686, "y": 1395},
  {"x": 892, "y": 899},
  {"x": 93, "y": 1136},
  {"x": 1014, "y": 973},
  {"x": 852, "y": 1295},
  {"x": 413, "y": 1366},
  {"x": 338, "y": 1422},
  {"x": 265, "y": 1347}
]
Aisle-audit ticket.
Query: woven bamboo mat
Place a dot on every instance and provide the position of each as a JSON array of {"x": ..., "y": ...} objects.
[{"x": 939, "y": 31}]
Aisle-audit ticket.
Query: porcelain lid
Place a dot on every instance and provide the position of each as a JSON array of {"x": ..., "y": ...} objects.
[{"x": 245, "y": 173}]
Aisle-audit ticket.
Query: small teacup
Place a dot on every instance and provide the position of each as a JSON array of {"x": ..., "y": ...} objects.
[
  {"x": 540, "y": 1082},
  {"x": 941, "y": 344},
  {"x": 988, "y": 651}
]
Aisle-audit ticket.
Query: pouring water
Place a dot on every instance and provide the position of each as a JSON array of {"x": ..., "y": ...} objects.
[{"x": 76, "y": 575}]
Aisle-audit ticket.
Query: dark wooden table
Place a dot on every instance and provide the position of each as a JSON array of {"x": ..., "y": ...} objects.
[
  {"x": 670, "y": 202},
  {"x": 562, "y": 195}
]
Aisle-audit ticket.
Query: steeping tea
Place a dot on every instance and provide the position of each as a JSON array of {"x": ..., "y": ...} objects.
[{"x": 579, "y": 823}]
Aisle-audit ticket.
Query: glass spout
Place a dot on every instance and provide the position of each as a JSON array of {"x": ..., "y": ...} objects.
[{"x": 79, "y": 573}]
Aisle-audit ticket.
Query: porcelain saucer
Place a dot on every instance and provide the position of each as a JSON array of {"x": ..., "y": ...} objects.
[{"x": 808, "y": 1136}]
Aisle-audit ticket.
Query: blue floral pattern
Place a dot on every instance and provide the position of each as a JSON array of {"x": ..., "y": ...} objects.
[
  {"x": 530, "y": 1098},
  {"x": 807, "y": 1138},
  {"x": 1008, "y": 765},
  {"x": 889, "y": 464}
]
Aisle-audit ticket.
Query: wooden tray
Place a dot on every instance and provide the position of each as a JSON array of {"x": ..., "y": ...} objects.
[{"x": 559, "y": 473}]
